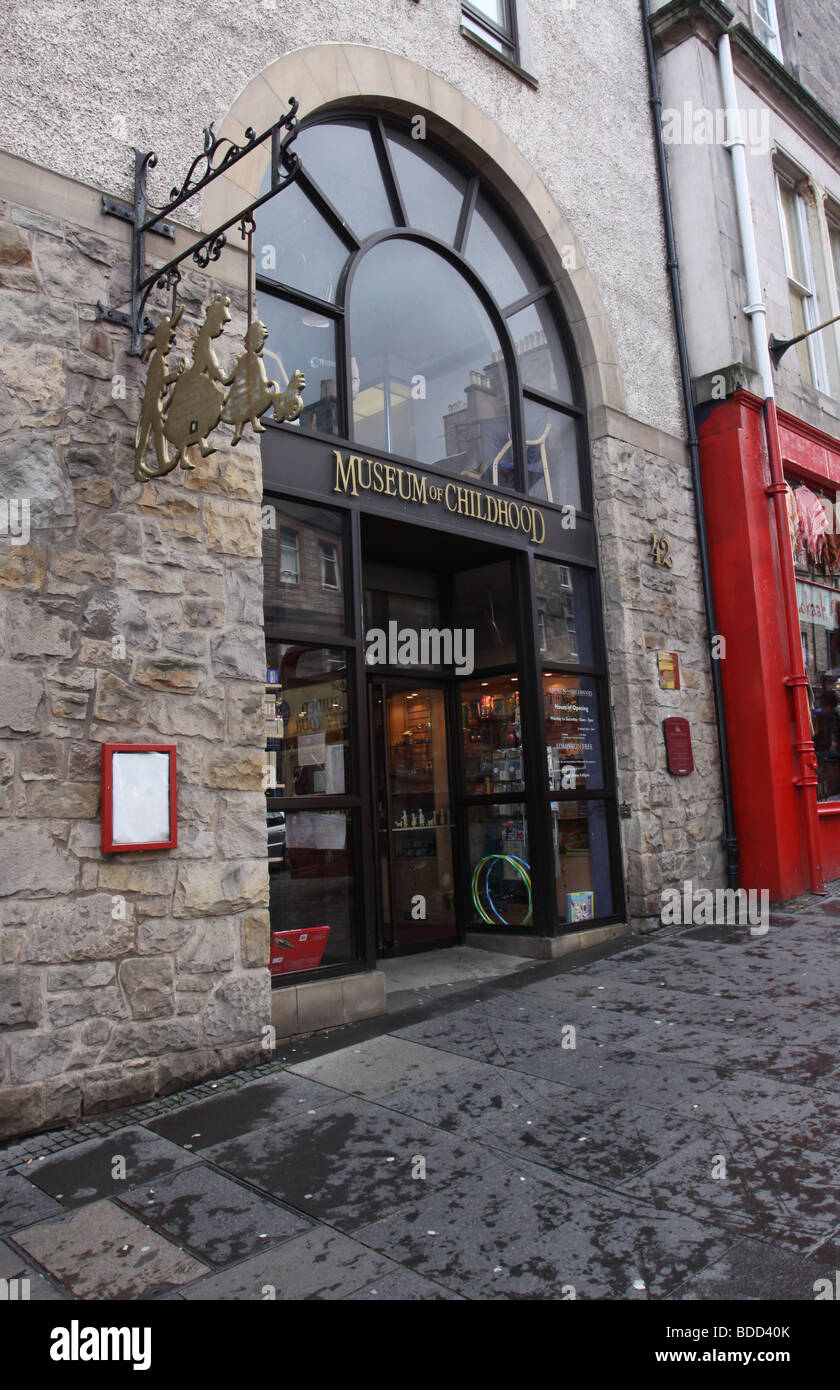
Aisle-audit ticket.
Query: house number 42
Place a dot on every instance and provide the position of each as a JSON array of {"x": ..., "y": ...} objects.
[{"x": 660, "y": 549}]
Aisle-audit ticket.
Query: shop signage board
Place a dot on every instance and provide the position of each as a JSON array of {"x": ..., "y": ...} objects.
[{"x": 308, "y": 466}]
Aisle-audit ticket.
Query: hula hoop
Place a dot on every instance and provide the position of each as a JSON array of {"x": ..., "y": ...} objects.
[{"x": 487, "y": 864}]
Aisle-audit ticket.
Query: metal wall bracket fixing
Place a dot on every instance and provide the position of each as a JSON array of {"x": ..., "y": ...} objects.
[{"x": 219, "y": 155}]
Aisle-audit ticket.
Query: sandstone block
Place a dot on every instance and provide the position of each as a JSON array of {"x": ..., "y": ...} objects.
[
  {"x": 210, "y": 949},
  {"x": 234, "y": 769},
  {"x": 62, "y": 799},
  {"x": 215, "y": 889},
  {"x": 233, "y": 528},
  {"x": 147, "y": 982},
  {"x": 237, "y": 1011},
  {"x": 76, "y": 929},
  {"x": 138, "y": 875},
  {"x": 21, "y": 700},
  {"x": 116, "y": 702},
  {"x": 169, "y": 673},
  {"x": 31, "y": 860},
  {"x": 254, "y": 939}
]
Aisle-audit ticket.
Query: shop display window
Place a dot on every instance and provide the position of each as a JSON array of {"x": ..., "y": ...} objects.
[
  {"x": 500, "y": 874},
  {"x": 815, "y": 542},
  {"x": 581, "y": 860},
  {"x": 491, "y": 731},
  {"x": 311, "y": 888},
  {"x": 307, "y": 720}
]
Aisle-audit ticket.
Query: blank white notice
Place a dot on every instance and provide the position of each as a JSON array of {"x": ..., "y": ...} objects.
[{"x": 141, "y": 798}]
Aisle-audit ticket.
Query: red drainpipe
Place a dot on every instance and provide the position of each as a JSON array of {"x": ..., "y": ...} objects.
[{"x": 797, "y": 681}]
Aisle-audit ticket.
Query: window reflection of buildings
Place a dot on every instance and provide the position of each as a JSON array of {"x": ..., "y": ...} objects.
[
  {"x": 477, "y": 428},
  {"x": 305, "y": 565},
  {"x": 556, "y": 616},
  {"x": 321, "y": 415}
]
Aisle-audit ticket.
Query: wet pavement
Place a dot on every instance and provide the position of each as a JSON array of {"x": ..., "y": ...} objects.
[{"x": 658, "y": 1121}]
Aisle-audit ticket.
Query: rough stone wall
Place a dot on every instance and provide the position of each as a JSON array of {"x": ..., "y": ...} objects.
[
  {"x": 133, "y": 613},
  {"x": 675, "y": 831}
]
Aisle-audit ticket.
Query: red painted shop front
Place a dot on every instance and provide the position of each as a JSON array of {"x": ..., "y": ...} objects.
[{"x": 756, "y": 662}]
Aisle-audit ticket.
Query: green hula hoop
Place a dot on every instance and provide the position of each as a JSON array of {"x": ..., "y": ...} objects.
[{"x": 487, "y": 864}]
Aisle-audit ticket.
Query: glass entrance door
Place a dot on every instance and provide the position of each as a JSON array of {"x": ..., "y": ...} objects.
[{"x": 414, "y": 832}]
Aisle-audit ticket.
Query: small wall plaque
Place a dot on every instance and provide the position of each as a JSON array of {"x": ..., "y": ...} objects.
[
  {"x": 678, "y": 746},
  {"x": 669, "y": 670},
  {"x": 139, "y": 797}
]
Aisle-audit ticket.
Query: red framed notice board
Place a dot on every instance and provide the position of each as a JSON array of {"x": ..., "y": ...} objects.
[{"x": 139, "y": 797}]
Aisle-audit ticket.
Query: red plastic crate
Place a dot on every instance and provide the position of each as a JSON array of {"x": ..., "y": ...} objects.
[{"x": 297, "y": 950}]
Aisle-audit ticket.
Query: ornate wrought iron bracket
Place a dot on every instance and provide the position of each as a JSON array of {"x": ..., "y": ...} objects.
[{"x": 219, "y": 155}]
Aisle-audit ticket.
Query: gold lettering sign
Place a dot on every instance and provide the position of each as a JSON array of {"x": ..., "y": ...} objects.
[{"x": 357, "y": 474}]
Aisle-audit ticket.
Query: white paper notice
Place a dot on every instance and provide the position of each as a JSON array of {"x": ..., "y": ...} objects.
[
  {"x": 141, "y": 798},
  {"x": 316, "y": 830}
]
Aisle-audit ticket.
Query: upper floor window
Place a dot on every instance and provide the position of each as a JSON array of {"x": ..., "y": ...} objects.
[
  {"x": 796, "y": 241},
  {"x": 423, "y": 323},
  {"x": 767, "y": 25},
  {"x": 494, "y": 21}
]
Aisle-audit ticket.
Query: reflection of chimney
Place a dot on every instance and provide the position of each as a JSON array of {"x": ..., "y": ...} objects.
[{"x": 327, "y": 388}]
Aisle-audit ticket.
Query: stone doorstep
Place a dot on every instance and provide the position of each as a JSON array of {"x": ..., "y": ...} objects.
[
  {"x": 546, "y": 947},
  {"x": 300, "y": 1010}
]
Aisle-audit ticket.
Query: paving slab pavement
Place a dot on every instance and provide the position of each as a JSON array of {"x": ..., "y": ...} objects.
[{"x": 658, "y": 1120}]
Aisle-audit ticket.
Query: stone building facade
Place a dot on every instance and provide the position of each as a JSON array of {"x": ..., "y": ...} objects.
[{"x": 134, "y": 611}]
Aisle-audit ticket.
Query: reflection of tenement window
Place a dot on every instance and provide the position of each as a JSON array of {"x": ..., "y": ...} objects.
[
  {"x": 793, "y": 218},
  {"x": 543, "y": 638},
  {"x": 570, "y": 622},
  {"x": 329, "y": 565},
  {"x": 767, "y": 25},
  {"x": 288, "y": 556},
  {"x": 565, "y": 577},
  {"x": 493, "y": 21}
]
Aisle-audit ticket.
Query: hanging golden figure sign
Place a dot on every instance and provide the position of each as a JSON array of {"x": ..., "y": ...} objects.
[{"x": 184, "y": 406}]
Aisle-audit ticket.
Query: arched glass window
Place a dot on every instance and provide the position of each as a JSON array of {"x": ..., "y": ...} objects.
[{"x": 424, "y": 326}]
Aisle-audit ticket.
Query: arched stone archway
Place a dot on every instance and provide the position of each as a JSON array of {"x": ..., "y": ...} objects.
[{"x": 333, "y": 75}]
